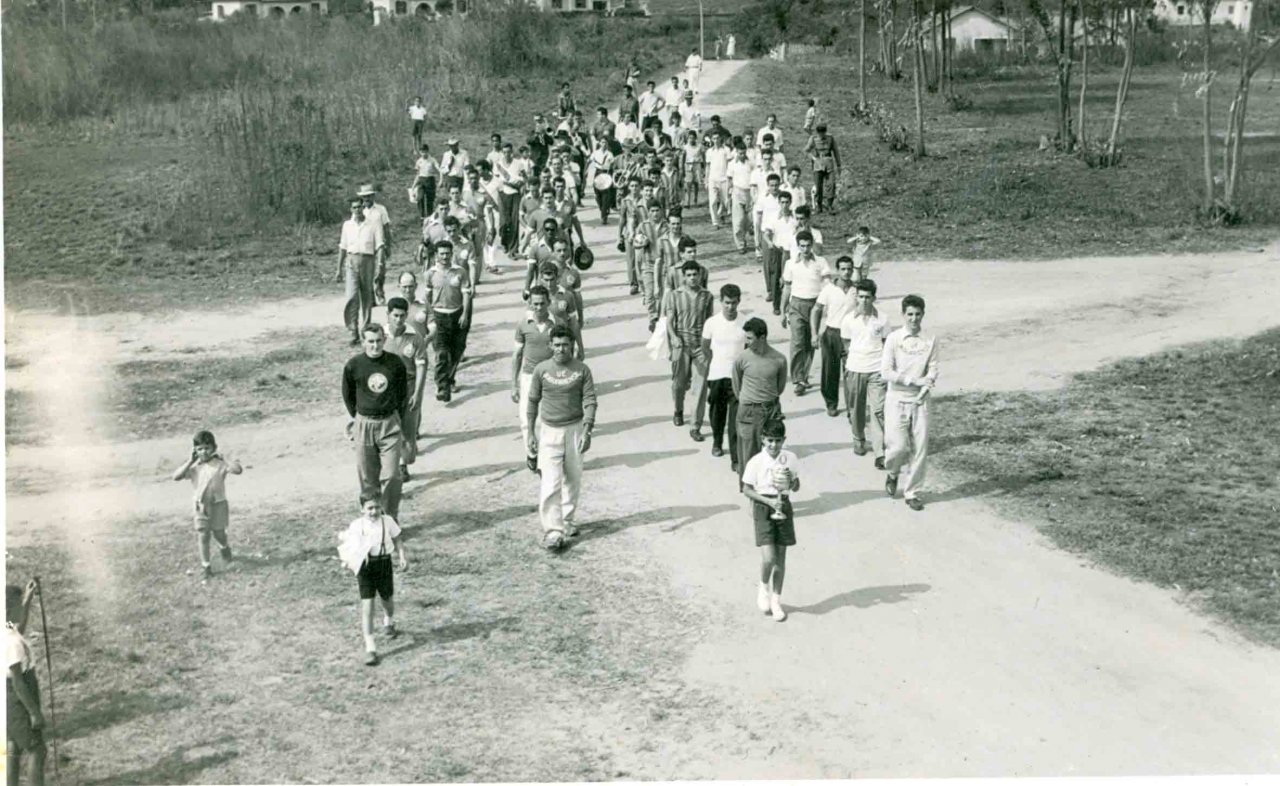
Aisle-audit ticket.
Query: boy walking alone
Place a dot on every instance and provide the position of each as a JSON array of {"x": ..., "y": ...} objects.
[
  {"x": 208, "y": 473},
  {"x": 365, "y": 549},
  {"x": 769, "y": 478}
]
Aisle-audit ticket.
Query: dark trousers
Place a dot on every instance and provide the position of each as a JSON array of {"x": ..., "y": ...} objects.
[
  {"x": 823, "y": 180},
  {"x": 750, "y": 426},
  {"x": 451, "y": 342},
  {"x": 426, "y": 196},
  {"x": 509, "y": 212},
  {"x": 724, "y": 409},
  {"x": 832, "y": 366},
  {"x": 773, "y": 276}
]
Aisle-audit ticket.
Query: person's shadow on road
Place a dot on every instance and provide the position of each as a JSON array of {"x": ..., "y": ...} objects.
[{"x": 863, "y": 598}]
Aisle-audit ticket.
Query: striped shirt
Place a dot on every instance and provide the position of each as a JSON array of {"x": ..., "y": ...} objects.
[{"x": 686, "y": 311}]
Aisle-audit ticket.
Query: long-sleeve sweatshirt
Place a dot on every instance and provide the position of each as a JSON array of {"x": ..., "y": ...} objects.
[
  {"x": 909, "y": 362},
  {"x": 563, "y": 394}
]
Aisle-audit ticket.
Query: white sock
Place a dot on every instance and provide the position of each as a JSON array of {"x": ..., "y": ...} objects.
[
  {"x": 369, "y": 646},
  {"x": 386, "y": 620}
]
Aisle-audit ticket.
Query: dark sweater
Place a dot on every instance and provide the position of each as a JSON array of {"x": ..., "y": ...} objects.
[{"x": 375, "y": 387}]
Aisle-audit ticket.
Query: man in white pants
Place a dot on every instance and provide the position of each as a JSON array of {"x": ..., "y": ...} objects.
[
  {"x": 718, "y": 157},
  {"x": 562, "y": 400},
  {"x": 533, "y": 345},
  {"x": 693, "y": 69},
  {"x": 909, "y": 366}
]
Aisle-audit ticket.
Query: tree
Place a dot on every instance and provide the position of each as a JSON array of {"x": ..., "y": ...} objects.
[
  {"x": 917, "y": 74},
  {"x": 1206, "y": 10},
  {"x": 886, "y": 12},
  {"x": 1059, "y": 41},
  {"x": 1122, "y": 90},
  {"x": 862, "y": 46}
]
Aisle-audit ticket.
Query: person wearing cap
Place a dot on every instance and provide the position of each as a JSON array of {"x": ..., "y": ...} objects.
[
  {"x": 454, "y": 163},
  {"x": 825, "y": 159},
  {"x": 802, "y": 282},
  {"x": 411, "y": 347},
  {"x": 373, "y": 211},
  {"x": 449, "y": 295},
  {"x": 359, "y": 246},
  {"x": 686, "y": 310}
]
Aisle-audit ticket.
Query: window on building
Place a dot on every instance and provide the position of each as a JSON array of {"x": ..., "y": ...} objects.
[
  {"x": 1230, "y": 8},
  {"x": 402, "y": 7},
  {"x": 581, "y": 5},
  {"x": 599, "y": 5},
  {"x": 218, "y": 12},
  {"x": 1182, "y": 10}
]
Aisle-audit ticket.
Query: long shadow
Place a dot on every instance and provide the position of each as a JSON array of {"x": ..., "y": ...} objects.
[
  {"x": 457, "y": 437},
  {"x": 448, "y": 634},
  {"x": 248, "y": 563},
  {"x": 679, "y": 515},
  {"x": 591, "y": 303},
  {"x": 605, "y": 388},
  {"x": 455, "y": 523},
  {"x": 474, "y": 390},
  {"x": 619, "y": 426},
  {"x": 105, "y": 710},
  {"x": 1000, "y": 485},
  {"x": 609, "y": 349},
  {"x": 634, "y": 460},
  {"x": 942, "y": 444},
  {"x": 174, "y": 767},
  {"x": 638, "y": 316},
  {"x": 487, "y": 357},
  {"x": 804, "y": 451},
  {"x": 832, "y": 501},
  {"x": 863, "y": 598}
]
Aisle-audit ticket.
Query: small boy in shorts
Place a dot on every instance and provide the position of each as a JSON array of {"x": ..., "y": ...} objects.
[
  {"x": 862, "y": 244},
  {"x": 25, "y": 730},
  {"x": 365, "y": 549},
  {"x": 768, "y": 478},
  {"x": 208, "y": 473}
]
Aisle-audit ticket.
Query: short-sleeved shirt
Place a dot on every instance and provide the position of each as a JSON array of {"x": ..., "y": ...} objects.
[
  {"x": 209, "y": 480},
  {"x": 759, "y": 471},
  {"x": 361, "y": 237},
  {"x": 455, "y": 164},
  {"x": 687, "y": 311},
  {"x": 375, "y": 536},
  {"x": 379, "y": 212},
  {"x": 866, "y": 337},
  {"x": 740, "y": 173},
  {"x": 718, "y": 163},
  {"x": 835, "y": 302},
  {"x": 862, "y": 252},
  {"x": 411, "y": 347},
  {"x": 806, "y": 278},
  {"x": 427, "y": 167},
  {"x": 784, "y": 230},
  {"x": 418, "y": 112},
  {"x": 762, "y": 376},
  {"x": 447, "y": 287},
  {"x": 536, "y": 341},
  {"x": 727, "y": 343},
  {"x": 777, "y": 137},
  {"x": 799, "y": 194},
  {"x": 564, "y": 306}
]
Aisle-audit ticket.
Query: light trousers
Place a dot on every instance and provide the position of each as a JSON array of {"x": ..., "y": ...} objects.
[
  {"x": 718, "y": 201},
  {"x": 798, "y": 312},
  {"x": 378, "y": 445},
  {"x": 525, "y": 426},
  {"x": 689, "y": 368},
  {"x": 906, "y": 440},
  {"x": 560, "y": 462},
  {"x": 412, "y": 421},
  {"x": 864, "y": 398},
  {"x": 358, "y": 272},
  {"x": 741, "y": 214}
]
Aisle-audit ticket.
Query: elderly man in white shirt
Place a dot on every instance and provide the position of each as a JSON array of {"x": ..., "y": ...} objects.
[
  {"x": 690, "y": 117},
  {"x": 374, "y": 211},
  {"x": 359, "y": 245},
  {"x": 802, "y": 280},
  {"x": 909, "y": 367},
  {"x": 454, "y": 163},
  {"x": 863, "y": 331}
]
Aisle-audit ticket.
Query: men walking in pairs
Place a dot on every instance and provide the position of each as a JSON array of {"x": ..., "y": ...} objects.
[
  {"x": 759, "y": 377},
  {"x": 359, "y": 245},
  {"x": 802, "y": 278},
  {"x": 562, "y": 400},
  {"x": 863, "y": 331},
  {"x": 834, "y": 301},
  {"x": 375, "y": 389},
  {"x": 722, "y": 341},
  {"x": 687, "y": 309},
  {"x": 449, "y": 294},
  {"x": 910, "y": 368},
  {"x": 533, "y": 346}
]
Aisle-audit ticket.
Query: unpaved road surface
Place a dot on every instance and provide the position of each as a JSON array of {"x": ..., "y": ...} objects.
[{"x": 951, "y": 642}]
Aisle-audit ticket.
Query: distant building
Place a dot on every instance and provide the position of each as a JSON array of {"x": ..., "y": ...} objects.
[
  {"x": 1182, "y": 12},
  {"x": 975, "y": 30},
  {"x": 223, "y": 9},
  {"x": 597, "y": 6},
  {"x": 383, "y": 9}
]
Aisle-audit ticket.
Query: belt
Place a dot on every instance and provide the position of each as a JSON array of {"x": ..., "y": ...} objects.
[
  {"x": 379, "y": 557},
  {"x": 773, "y": 403},
  {"x": 376, "y": 417}
]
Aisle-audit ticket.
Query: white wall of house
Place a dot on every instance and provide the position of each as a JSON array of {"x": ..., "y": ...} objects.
[
  {"x": 974, "y": 30},
  {"x": 228, "y": 8},
  {"x": 429, "y": 8},
  {"x": 1185, "y": 12}
]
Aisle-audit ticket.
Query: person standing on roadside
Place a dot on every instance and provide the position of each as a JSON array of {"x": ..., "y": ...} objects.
[
  {"x": 426, "y": 180},
  {"x": 803, "y": 279},
  {"x": 834, "y": 301},
  {"x": 722, "y": 342},
  {"x": 562, "y": 400},
  {"x": 909, "y": 366},
  {"x": 359, "y": 246},
  {"x": 863, "y": 332},
  {"x": 411, "y": 347},
  {"x": 687, "y": 309},
  {"x": 449, "y": 295},
  {"x": 375, "y": 389},
  {"x": 454, "y": 163},
  {"x": 374, "y": 211},
  {"x": 825, "y": 159},
  {"x": 759, "y": 377},
  {"x": 418, "y": 114}
]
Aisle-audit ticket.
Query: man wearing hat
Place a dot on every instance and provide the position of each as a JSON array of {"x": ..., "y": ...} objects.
[
  {"x": 359, "y": 246},
  {"x": 377, "y": 213},
  {"x": 454, "y": 164}
]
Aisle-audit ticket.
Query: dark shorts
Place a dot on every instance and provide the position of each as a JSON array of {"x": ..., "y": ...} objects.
[
  {"x": 770, "y": 532},
  {"x": 23, "y": 738},
  {"x": 374, "y": 578}
]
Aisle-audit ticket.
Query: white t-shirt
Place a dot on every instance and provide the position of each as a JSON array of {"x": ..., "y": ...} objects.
[
  {"x": 866, "y": 337},
  {"x": 784, "y": 231},
  {"x": 718, "y": 159},
  {"x": 740, "y": 173},
  {"x": 693, "y": 63},
  {"x": 806, "y": 279},
  {"x": 835, "y": 303},
  {"x": 799, "y": 194},
  {"x": 759, "y": 470},
  {"x": 690, "y": 117},
  {"x": 777, "y": 137},
  {"x": 674, "y": 94},
  {"x": 727, "y": 344},
  {"x": 418, "y": 112},
  {"x": 767, "y": 206}
]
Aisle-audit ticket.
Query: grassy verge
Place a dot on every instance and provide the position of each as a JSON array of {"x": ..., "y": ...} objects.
[
  {"x": 1162, "y": 467},
  {"x": 985, "y": 190}
]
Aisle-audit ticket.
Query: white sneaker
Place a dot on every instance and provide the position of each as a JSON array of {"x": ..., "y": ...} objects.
[
  {"x": 762, "y": 598},
  {"x": 553, "y": 541},
  {"x": 775, "y": 606}
]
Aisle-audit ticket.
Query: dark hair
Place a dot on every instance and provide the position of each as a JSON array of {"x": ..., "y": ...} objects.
[
  {"x": 865, "y": 230},
  {"x": 822, "y": 128},
  {"x": 397, "y": 302},
  {"x": 548, "y": 268},
  {"x": 686, "y": 242},
  {"x": 690, "y": 265},
  {"x": 444, "y": 244},
  {"x": 560, "y": 331},
  {"x": 731, "y": 291},
  {"x": 715, "y": 118},
  {"x": 204, "y": 437},
  {"x": 773, "y": 177},
  {"x": 756, "y": 327},
  {"x": 550, "y": 223},
  {"x": 767, "y": 138},
  {"x": 912, "y": 300},
  {"x": 367, "y": 498},
  {"x": 793, "y": 168},
  {"x": 804, "y": 234},
  {"x": 784, "y": 195},
  {"x": 844, "y": 258},
  {"x": 866, "y": 285},
  {"x": 804, "y": 211},
  {"x": 774, "y": 429},
  {"x": 452, "y": 221},
  {"x": 370, "y": 327},
  {"x": 538, "y": 289}
]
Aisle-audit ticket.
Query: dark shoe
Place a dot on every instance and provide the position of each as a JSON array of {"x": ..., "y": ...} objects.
[
  {"x": 206, "y": 572},
  {"x": 355, "y": 341},
  {"x": 736, "y": 467},
  {"x": 404, "y": 474},
  {"x": 697, "y": 434},
  {"x": 531, "y": 462},
  {"x": 652, "y": 324},
  {"x": 800, "y": 390},
  {"x": 445, "y": 395},
  {"x": 879, "y": 462},
  {"x": 678, "y": 418},
  {"x": 635, "y": 290},
  {"x": 225, "y": 551},
  {"x": 915, "y": 504},
  {"x": 768, "y": 298},
  {"x": 860, "y": 449},
  {"x": 390, "y": 630},
  {"x": 371, "y": 659},
  {"x": 777, "y": 312},
  {"x": 891, "y": 484},
  {"x": 717, "y": 451}
]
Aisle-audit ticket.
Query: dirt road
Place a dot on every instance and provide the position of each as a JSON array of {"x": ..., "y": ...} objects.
[{"x": 945, "y": 643}]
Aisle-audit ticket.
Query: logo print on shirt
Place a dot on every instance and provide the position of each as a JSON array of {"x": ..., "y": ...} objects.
[{"x": 377, "y": 382}]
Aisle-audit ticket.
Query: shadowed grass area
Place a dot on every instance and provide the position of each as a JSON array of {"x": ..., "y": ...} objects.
[{"x": 1162, "y": 467}]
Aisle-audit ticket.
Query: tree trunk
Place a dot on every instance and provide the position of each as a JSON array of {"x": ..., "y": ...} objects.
[
  {"x": 918, "y": 75},
  {"x": 862, "y": 46},
  {"x": 1122, "y": 92},
  {"x": 946, "y": 50},
  {"x": 936, "y": 77},
  {"x": 894, "y": 72},
  {"x": 1084, "y": 73},
  {"x": 1207, "y": 9}
]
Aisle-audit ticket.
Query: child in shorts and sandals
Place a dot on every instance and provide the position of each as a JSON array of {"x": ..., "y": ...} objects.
[
  {"x": 769, "y": 477},
  {"x": 208, "y": 473},
  {"x": 25, "y": 730},
  {"x": 365, "y": 548},
  {"x": 862, "y": 244}
]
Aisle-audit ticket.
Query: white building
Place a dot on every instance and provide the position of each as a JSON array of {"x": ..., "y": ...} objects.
[
  {"x": 1184, "y": 12},
  {"x": 973, "y": 29},
  {"x": 383, "y": 9},
  {"x": 273, "y": 8}
]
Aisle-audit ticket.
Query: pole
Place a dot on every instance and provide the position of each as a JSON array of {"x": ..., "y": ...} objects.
[
  {"x": 48, "y": 663},
  {"x": 702, "y": 36}
]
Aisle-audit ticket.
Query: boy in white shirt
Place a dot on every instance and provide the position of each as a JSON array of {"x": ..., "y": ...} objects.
[
  {"x": 862, "y": 244},
  {"x": 365, "y": 549},
  {"x": 768, "y": 479},
  {"x": 25, "y": 729},
  {"x": 208, "y": 471}
]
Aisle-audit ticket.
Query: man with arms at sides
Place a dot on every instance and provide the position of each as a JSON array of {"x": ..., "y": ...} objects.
[
  {"x": 834, "y": 301},
  {"x": 532, "y": 346},
  {"x": 759, "y": 377},
  {"x": 863, "y": 331},
  {"x": 802, "y": 281},
  {"x": 722, "y": 341},
  {"x": 375, "y": 389}
]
